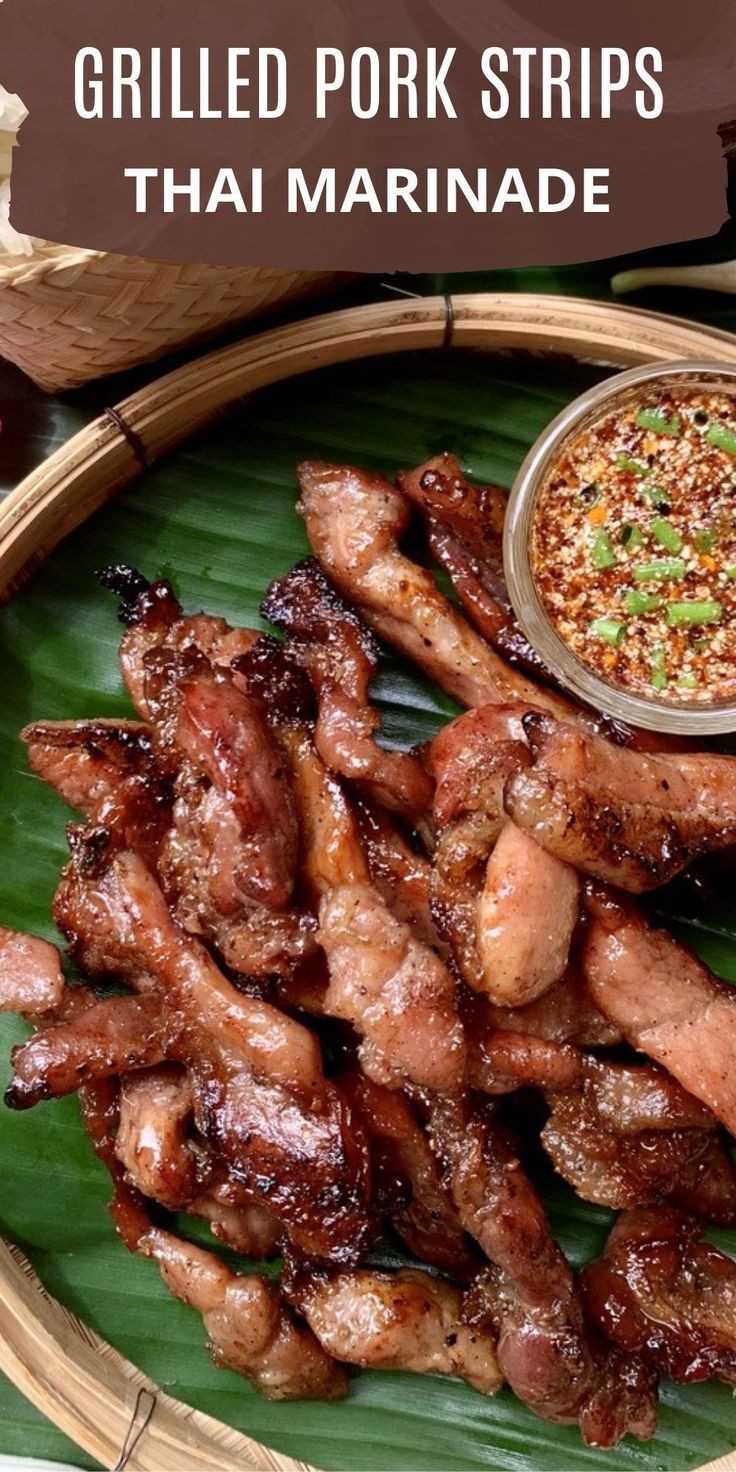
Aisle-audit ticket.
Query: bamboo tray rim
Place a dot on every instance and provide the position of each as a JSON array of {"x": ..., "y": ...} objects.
[{"x": 78, "y": 1380}]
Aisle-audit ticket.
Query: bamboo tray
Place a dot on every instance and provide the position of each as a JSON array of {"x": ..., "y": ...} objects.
[{"x": 81, "y": 1383}]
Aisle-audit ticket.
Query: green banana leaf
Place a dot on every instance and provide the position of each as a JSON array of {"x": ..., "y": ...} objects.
[{"x": 219, "y": 518}]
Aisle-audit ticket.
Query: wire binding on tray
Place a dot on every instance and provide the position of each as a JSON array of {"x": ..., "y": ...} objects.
[
  {"x": 448, "y": 303},
  {"x": 145, "y": 1405},
  {"x": 131, "y": 435},
  {"x": 449, "y": 321}
]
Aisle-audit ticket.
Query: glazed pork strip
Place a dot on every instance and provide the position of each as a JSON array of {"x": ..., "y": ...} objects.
[
  {"x": 472, "y": 758},
  {"x": 627, "y": 1135},
  {"x": 31, "y": 978},
  {"x": 464, "y": 524},
  {"x": 473, "y": 513},
  {"x": 499, "y": 1062},
  {"x": 341, "y": 656},
  {"x": 109, "y": 771},
  {"x": 489, "y": 877},
  {"x": 261, "y": 1099},
  {"x": 154, "y": 619},
  {"x": 631, "y": 1097},
  {"x": 397, "y": 993},
  {"x": 623, "y": 1400},
  {"x": 205, "y": 868},
  {"x": 542, "y": 1346},
  {"x": 154, "y": 1138},
  {"x": 223, "y": 733},
  {"x": 156, "y": 1144},
  {"x": 228, "y": 863},
  {"x": 546, "y": 1350},
  {"x": 99, "y": 1102},
  {"x": 708, "y": 1190},
  {"x": 355, "y": 521},
  {"x": 690, "y": 1167},
  {"x": 408, "y": 1320},
  {"x": 427, "y": 1221},
  {"x": 402, "y": 876},
  {"x": 630, "y": 818},
  {"x": 185, "y": 979},
  {"x": 250, "y": 1328},
  {"x": 565, "y": 1014},
  {"x": 660, "y": 1292},
  {"x": 234, "y": 842},
  {"x": 520, "y": 961},
  {"x": 104, "y": 1038},
  {"x": 242, "y": 1225},
  {"x": 666, "y": 1002},
  {"x": 340, "y": 842}
]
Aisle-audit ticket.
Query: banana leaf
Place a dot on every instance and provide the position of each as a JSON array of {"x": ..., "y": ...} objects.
[{"x": 218, "y": 518}]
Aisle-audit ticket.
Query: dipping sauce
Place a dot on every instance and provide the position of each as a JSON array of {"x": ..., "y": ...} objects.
[{"x": 633, "y": 545}]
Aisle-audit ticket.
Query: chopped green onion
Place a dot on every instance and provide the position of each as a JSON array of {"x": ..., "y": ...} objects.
[
  {"x": 636, "y": 602},
  {"x": 705, "y": 540},
  {"x": 659, "y": 497},
  {"x": 722, "y": 437},
  {"x": 687, "y": 615},
  {"x": 635, "y": 467},
  {"x": 602, "y": 553},
  {"x": 659, "y": 680},
  {"x": 610, "y": 629},
  {"x": 660, "y": 570},
  {"x": 659, "y": 657},
  {"x": 632, "y": 536},
  {"x": 656, "y": 420},
  {"x": 700, "y": 645},
  {"x": 731, "y": 573},
  {"x": 664, "y": 532},
  {"x": 688, "y": 682}
]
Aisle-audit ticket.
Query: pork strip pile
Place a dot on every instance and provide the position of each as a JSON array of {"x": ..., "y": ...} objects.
[{"x": 332, "y": 990}]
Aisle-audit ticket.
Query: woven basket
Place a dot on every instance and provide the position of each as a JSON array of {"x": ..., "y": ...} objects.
[{"x": 67, "y": 315}]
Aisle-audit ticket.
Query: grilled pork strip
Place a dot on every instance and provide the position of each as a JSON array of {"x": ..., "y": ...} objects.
[
  {"x": 110, "y": 772},
  {"x": 660, "y": 1292},
  {"x": 250, "y": 1329},
  {"x": 489, "y": 878},
  {"x": 396, "y": 992},
  {"x": 427, "y": 1221},
  {"x": 341, "y": 656},
  {"x": 261, "y": 1098},
  {"x": 666, "y": 1002},
  {"x": 531, "y": 1297},
  {"x": 104, "y": 1038},
  {"x": 355, "y": 521},
  {"x": 406, "y": 1320},
  {"x": 31, "y": 978},
  {"x": 631, "y": 818},
  {"x": 464, "y": 524}
]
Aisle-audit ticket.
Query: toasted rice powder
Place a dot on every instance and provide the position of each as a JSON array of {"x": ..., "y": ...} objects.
[{"x": 585, "y": 512}]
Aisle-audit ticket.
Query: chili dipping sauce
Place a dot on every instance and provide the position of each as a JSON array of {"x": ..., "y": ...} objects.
[{"x": 633, "y": 545}]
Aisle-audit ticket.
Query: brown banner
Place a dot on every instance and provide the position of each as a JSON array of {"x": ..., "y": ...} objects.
[{"x": 421, "y": 135}]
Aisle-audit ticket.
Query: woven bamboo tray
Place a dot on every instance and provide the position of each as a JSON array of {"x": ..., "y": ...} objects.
[
  {"x": 67, "y": 315},
  {"x": 77, "y": 1380}
]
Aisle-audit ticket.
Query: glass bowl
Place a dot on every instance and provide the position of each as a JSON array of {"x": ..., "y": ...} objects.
[{"x": 612, "y": 699}]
